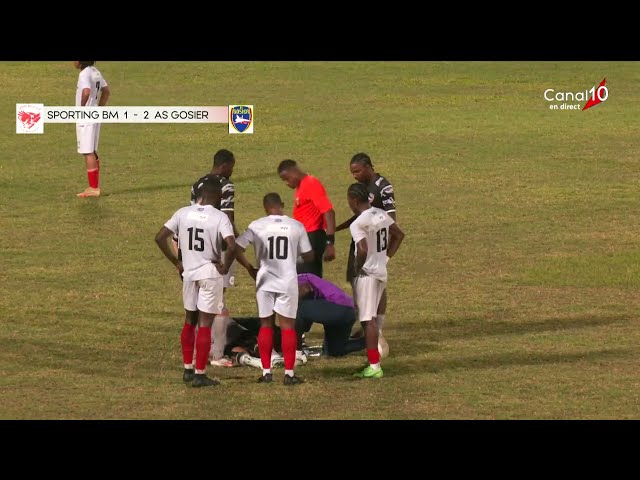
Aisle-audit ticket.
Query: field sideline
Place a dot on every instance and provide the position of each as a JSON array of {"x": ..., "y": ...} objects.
[{"x": 514, "y": 296}]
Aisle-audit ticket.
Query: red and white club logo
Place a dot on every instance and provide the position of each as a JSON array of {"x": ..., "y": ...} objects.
[{"x": 29, "y": 118}]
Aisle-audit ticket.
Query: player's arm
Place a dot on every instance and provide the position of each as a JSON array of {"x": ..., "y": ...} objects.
[
  {"x": 304, "y": 245},
  {"x": 104, "y": 96},
  {"x": 330, "y": 251},
  {"x": 222, "y": 267},
  {"x": 227, "y": 205},
  {"x": 388, "y": 201},
  {"x": 361, "y": 255},
  {"x": 346, "y": 224},
  {"x": 162, "y": 238},
  {"x": 397, "y": 236},
  {"x": 321, "y": 201},
  {"x": 237, "y": 253},
  {"x": 232, "y": 218},
  {"x": 85, "y": 96}
]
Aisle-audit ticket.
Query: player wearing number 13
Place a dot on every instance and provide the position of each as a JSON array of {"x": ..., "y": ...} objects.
[
  {"x": 377, "y": 238},
  {"x": 277, "y": 240}
]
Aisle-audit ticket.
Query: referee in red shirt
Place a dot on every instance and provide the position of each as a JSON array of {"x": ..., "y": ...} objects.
[{"x": 313, "y": 209}]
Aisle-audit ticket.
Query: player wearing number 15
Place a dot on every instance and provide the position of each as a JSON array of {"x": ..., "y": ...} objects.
[
  {"x": 377, "y": 238},
  {"x": 277, "y": 241},
  {"x": 200, "y": 229},
  {"x": 92, "y": 90}
]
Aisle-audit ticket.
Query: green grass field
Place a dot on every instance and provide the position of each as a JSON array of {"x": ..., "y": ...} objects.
[{"x": 514, "y": 296}]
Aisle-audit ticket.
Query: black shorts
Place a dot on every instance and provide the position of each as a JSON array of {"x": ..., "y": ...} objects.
[
  {"x": 351, "y": 264},
  {"x": 318, "y": 240}
]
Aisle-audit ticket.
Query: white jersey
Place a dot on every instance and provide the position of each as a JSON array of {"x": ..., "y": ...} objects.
[
  {"x": 373, "y": 225},
  {"x": 200, "y": 230},
  {"x": 90, "y": 77},
  {"x": 278, "y": 240}
]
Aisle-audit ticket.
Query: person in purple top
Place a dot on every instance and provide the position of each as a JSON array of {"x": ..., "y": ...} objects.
[
  {"x": 320, "y": 301},
  {"x": 323, "y": 290}
]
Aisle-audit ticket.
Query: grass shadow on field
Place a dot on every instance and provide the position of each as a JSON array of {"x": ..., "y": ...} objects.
[
  {"x": 173, "y": 186},
  {"x": 482, "y": 326},
  {"x": 511, "y": 359},
  {"x": 76, "y": 357}
]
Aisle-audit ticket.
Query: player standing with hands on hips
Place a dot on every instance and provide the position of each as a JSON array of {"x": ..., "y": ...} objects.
[
  {"x": 200, "y": 229},
  {"x": 380, "y": 196},
  {"x": 377, "y": 238},
  {"x": 92, "y": 91}
]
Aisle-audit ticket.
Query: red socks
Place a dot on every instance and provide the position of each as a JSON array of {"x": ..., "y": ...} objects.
[
  {"x": 374, "y": 356},
  {"x": 265, "y": 346},
  {"x": 188, "y": 339},
  {"x": 203, "y": 346},
  {"x": 93, "y": 175},
  {"x": 289, "y": 343}
]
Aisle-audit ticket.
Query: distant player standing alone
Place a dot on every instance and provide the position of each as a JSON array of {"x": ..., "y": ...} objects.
[
  {"x": 200, "y": 228},
  {"x": 92, "y": 91},
  {"x": 377, "y": 238},
  {"x": 277, "y": 241},
  {"x": 314, "y": 210}
]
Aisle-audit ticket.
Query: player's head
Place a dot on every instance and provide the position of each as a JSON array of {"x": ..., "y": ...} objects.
[
  {"x": 290, "y": 173},
  {"x": 358, "y": 197},
  {"x": 83, "y": 63},
  {"x": 305, "y": 291},
  {"x": 272, "y": 204},
  {"x": 361, "y": 168},
  {"x": 223, "y": 163},
  {"x": 210, "y": 192}
]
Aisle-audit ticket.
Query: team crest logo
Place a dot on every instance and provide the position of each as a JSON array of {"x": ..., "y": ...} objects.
[
  {"x": 29, "y": 118},
  {"x": 240, "y": 118}
]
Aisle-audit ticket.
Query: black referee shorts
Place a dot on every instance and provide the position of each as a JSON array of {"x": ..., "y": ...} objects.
[{"x": 318, "y": 240}]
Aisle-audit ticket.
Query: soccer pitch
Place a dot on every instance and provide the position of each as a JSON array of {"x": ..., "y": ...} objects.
[{"x": 514, "y": 295}]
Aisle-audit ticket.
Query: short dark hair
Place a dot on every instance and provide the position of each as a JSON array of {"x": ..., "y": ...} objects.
[
  {"x": 286, "y": 165},
  {"x": 359, "y": 192},
  {"x": 272, "y": 200},
  {"x": 362, "y": 158},
  {"x": 223, "y": 156},
  {"x": 211, "y": 185},
  {"x": 86, "y": 63}
]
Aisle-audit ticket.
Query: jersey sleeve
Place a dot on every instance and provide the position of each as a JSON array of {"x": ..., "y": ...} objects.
[
  {"x": 227, "y": 202},
  {"x": 357, "y": 231},
  {"x": 318, "y": 196},
  {"x": 226, "y": 230},
  {"x": 388, "y": 199},
  {"x": 173, "y": 223},
  {"x": 247, "y": 238},
  {"x": 84, "y": 80}
]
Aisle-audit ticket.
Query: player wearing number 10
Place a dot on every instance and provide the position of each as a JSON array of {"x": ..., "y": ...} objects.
[
  {"x": 278, "y": 240},
  {"x": 92, "y": 90}
]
